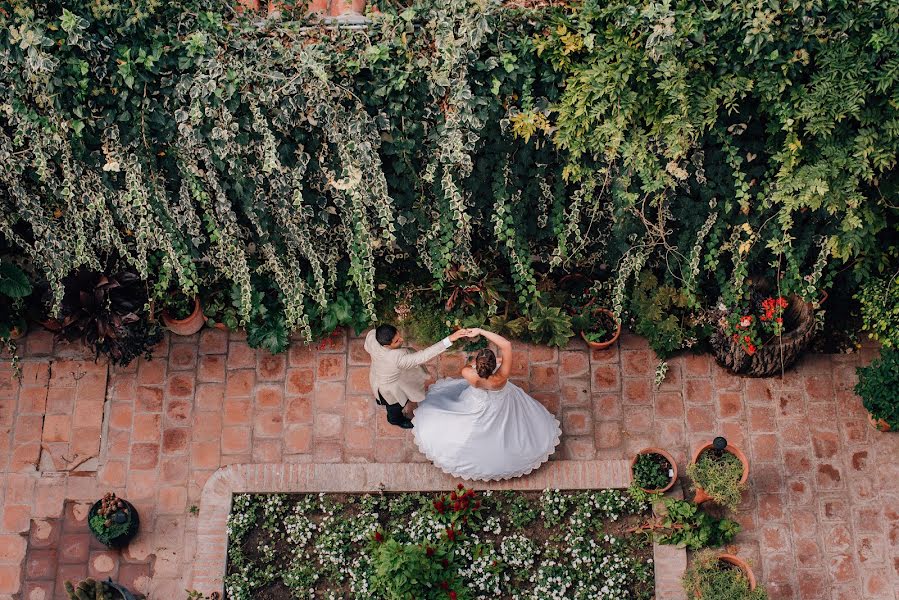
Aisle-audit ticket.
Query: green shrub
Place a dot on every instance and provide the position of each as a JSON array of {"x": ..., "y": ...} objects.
[
  {"x": 719, "y": 476},
  {"x": 880, "y": 310},
  {"x": 710, "y": 579},
  {"x": 877, "y": 385}
]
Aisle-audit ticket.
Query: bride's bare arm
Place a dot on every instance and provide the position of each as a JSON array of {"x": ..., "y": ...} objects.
[{"x": 505, "y": 351}]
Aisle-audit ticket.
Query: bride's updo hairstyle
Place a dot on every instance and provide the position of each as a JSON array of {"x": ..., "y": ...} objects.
[{"x": 485, "y": 363}]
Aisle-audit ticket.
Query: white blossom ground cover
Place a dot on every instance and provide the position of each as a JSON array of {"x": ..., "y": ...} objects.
[{"x": 426, "y": 546}]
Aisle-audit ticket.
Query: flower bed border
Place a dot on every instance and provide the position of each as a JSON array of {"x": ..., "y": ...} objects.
[{"x": 215, "y": 504}]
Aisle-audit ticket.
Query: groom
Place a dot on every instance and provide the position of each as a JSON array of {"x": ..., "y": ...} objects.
[{"x": 396, "y": 375}]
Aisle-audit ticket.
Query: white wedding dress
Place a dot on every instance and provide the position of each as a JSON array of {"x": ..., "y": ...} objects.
[{"x": 484, "y": 434}]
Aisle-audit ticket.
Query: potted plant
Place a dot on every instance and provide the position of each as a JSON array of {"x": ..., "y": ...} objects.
[
  {"x": 106, "y": 312},
  {"x": 598, "y": 327},
  {"x": 113, "y": 521},
  {"x": 714, "y": 576},
  {"x": 181, "y": 314},
  {"x": 91, "y": 589},
  {"x": 719, "y": 472},
  {"x": 877, "y": 384},
  {"x": 654, "y": 470},
  {"x": 763, "y": 334}
]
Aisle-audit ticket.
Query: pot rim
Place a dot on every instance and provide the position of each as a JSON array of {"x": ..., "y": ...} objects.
[
  {"x": 740, "y": 564},
  {"x": 169, "y": 319}
]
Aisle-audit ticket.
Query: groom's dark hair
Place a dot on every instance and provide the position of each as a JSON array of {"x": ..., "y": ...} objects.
[{"x": 385, "y": 334}]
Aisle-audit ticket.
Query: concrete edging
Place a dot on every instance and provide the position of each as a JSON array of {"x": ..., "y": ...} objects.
[{"x": 215, "y": 505}]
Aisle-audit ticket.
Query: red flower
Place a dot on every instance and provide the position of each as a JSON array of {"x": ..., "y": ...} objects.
[
  {"x": 450, "y": 534},
  {"x": 378, "y": 537},
  {"x": 460, "y": 487},
  {"x": 745, "y": 338},
  {"x": 439, "y": 506},
  {"x": 444, "y": 585},
  {"x": 452, "y": 595},
  {"x": 445, "y": 564},
  {"x": 429, "y": 551},
  {"x": 780, "y": 321},
  {"x": 454, "y": 496},
  {"x": 750, "y": 349}
]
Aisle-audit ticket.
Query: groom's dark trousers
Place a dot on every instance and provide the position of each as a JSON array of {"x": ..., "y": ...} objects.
[{"x": 395, "y": 414}]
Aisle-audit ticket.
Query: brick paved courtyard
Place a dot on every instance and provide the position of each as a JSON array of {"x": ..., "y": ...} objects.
[{"x": 821, "y": 519}]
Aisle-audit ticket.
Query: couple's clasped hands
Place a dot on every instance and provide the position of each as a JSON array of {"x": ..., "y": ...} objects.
[{"x": 472, "y": 332}]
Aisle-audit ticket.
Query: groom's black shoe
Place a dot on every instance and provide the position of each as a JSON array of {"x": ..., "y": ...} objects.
[{"x": 407, "y": 424}]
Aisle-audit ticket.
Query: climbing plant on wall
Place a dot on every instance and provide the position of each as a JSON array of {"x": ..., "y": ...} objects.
[{"x": 310, "y": 167}]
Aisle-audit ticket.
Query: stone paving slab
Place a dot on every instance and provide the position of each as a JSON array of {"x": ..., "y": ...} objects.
[{"x": 820, "y": 519}]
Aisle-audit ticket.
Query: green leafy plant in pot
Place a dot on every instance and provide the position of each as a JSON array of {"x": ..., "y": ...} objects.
[
  {"x": 598, "y": 327},
  {"x": 182, "y": 314},
  {"x": 877, "y": 384},
  {"x": 719, "y": 471},
  {"x": 714, "y": 576},
  {"x": 654, "y": 470},
  {"x": 113, "y": 521}
]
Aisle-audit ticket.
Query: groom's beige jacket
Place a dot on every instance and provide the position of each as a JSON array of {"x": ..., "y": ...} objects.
[{"x": 397, "y": 373}]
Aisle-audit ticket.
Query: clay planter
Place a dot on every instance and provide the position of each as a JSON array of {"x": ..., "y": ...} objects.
[
  {"x": 878, "y": 424},
  {"x": 740, "y": 564},
  {"x": 607, "y": 343},
  {"x": 776, "y": 354},
  {"x": 125, "y": 538},
  {"x": 188, "y": 326},
  {"x": 667, "y": 457},
  {"x": 701, "y": 496}
]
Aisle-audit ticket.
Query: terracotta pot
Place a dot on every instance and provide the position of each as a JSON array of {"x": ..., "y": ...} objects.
[
  {"x": 18, "y": 332},
  {"x": 740, "y": 564},
  {"x": 606, "y": 344},
  {"x": 701, "y": 496},
  {"x": 188, "y": 326},
  {"x": 878, "y": 424},
  {"x": 671, "y": 462}
]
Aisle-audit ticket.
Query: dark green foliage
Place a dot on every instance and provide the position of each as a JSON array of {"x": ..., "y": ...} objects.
[
  {"x": 651, "y": 471},
  {"x": 877, "y": 386},
  {"x": 607, "y": 138},
  {"x": 686, "y": 524},
  {"x": 661, "y": 314}
]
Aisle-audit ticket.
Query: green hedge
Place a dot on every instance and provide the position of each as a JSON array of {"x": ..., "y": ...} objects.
[{"x": 458, "y": 156}]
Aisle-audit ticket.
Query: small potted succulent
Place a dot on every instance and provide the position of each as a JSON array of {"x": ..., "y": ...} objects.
[
  {"x": 113, "y": 521},
  {"x": 654, "y": 470},
  {"x": 182, "y": 315},
  {"x": 714, "y": 576},
  {"x": 91, "y": 589},
  {"x": 719, "y": 472},
  {"x": 876, "y": 386}
]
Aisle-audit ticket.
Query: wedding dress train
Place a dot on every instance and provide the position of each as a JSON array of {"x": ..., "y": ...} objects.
[{"x": 474, "y": 433}]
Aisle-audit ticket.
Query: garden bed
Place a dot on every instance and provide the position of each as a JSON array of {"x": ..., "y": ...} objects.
[{"x": 465, "y": 546}]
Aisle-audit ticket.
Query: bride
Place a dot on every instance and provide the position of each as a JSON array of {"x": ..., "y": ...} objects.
[{"x": 483, "y": 426}]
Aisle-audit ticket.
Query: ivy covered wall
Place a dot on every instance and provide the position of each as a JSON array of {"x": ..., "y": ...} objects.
[{"x": 462, "y": 157}]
